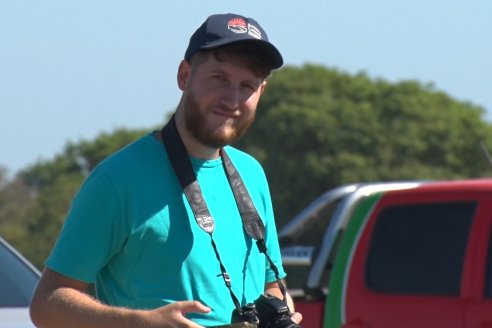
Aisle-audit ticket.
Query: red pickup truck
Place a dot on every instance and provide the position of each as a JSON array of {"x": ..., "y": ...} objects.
[{"x": 393, "y": 255}]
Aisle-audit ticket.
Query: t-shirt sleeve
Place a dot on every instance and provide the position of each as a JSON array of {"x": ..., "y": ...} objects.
[
  {"x": 271, "y": 237},
  {"x": 93, "y": 232},
  {"x": 274, "y": 253}
]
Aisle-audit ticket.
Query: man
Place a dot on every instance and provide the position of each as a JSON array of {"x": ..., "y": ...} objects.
[{"x": 133, "y": 233}]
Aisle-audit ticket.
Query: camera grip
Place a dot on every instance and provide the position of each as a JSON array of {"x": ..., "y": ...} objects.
[{"x": 237, "y": 325}]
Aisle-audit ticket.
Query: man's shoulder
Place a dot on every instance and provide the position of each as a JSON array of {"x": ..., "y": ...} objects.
[
  {"x": 132, "y": 158},
  {"x": 244, "y": 162},
  {"x": 238, "y": 155},
  {"x": 130, "y": 155}
]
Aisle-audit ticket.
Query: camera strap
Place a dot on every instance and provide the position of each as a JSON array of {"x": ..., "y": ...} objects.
[{"x": 252, "y": 223}]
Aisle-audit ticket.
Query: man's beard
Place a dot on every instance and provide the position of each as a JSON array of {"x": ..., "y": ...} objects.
[{"x": 196, "y": 118}]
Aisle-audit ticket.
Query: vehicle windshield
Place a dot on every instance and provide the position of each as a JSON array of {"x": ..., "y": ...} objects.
[{"x": 17, "y": 279}]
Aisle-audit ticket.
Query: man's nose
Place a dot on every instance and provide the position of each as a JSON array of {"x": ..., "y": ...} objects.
[{"x": 231, "y": 98}]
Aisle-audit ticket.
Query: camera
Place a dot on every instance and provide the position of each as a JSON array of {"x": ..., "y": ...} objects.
[{"x": 266, "y": 312}]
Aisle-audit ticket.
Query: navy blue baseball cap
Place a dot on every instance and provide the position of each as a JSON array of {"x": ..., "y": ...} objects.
[{"x": 227, "y": 29}]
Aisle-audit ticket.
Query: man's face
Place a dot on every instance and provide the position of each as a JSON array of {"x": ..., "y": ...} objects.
[{"x": 219, "y": 99}]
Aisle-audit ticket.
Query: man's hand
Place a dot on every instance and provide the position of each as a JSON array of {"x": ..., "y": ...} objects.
[
  {"x": 296, "y": 317},
  {"x": 61, "y": 302},
  {"x": 173, "y": 315},
  {"x": 273, "y": 289}
]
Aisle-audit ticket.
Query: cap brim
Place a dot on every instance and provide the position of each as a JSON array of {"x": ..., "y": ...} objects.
[{"x": 274, "y": 56}]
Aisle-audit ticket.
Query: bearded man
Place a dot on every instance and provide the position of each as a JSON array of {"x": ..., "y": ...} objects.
[{"x": 158, "y": 226}]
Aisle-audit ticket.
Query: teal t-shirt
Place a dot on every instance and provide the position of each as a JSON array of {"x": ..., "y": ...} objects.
[{"x": 131, "y": 231}]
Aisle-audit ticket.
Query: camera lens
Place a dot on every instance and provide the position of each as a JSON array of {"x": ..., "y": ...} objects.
[
  {"x": 246, "y": 314},
  {"x": 273, "y": 313}
]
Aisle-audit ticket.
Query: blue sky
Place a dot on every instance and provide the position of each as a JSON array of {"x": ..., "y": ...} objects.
[{"x": 70, "y": 70}]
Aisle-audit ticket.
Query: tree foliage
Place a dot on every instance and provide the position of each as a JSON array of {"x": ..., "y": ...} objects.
[
  {"x": 316, "y": 128},
  {"x": 33, "y": 206}
]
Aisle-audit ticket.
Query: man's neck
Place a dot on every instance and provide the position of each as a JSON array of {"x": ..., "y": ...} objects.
[{"x": 193, "y": 147}]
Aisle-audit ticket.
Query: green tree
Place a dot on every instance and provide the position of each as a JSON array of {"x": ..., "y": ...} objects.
[
  {"x": 33, "y": 207},
  {"x": 318, "y": 128},
  {"x": 16, "y": 204}
]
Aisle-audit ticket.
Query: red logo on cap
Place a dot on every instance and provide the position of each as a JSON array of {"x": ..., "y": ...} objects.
[{"x": 237, "y": 25}]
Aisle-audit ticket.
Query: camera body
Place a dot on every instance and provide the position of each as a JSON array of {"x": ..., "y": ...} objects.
[{"x": 266, "y": 312}]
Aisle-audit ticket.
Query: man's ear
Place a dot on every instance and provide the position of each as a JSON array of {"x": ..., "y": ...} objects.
[
  {"x": 184, "y": 71},
  {"x": 263, "y": 86}
]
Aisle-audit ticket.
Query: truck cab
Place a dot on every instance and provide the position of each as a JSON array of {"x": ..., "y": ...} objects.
[{"x": 394, "y": 254}]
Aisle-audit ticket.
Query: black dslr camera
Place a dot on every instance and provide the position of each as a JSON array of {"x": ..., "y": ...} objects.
[{"x": 266, "y": 312}]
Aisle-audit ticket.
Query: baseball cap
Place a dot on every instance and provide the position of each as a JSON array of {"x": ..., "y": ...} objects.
[{"x": 226, "y": 29}]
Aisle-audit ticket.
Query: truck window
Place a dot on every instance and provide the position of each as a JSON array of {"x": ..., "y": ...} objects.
[
  {"x": 488, "y": 277},
  {"x": 419, "y": 248},
  {"x": 306, "y": 243}
]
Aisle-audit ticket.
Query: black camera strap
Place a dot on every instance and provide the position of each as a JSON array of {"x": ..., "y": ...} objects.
[
  {"x": 251, "y": 220},
  {"x": 187, "y": 177}
]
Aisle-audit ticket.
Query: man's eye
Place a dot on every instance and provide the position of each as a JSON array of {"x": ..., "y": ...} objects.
[
  {"x": 250, "y": 87},
  {"x": 219, "y": 78}
]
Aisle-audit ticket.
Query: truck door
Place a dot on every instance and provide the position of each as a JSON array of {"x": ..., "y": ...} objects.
[
  {"x": 407, "y": 266},
  {"x": 479, "y": 309}
]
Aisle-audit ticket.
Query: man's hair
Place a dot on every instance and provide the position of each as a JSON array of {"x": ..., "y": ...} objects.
[{"x": 256, "y": 60}]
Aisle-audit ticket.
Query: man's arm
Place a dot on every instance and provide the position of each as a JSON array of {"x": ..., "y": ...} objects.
[
  {"x": 273, "y": 288},
  {"x": 61, "y": 302}
]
